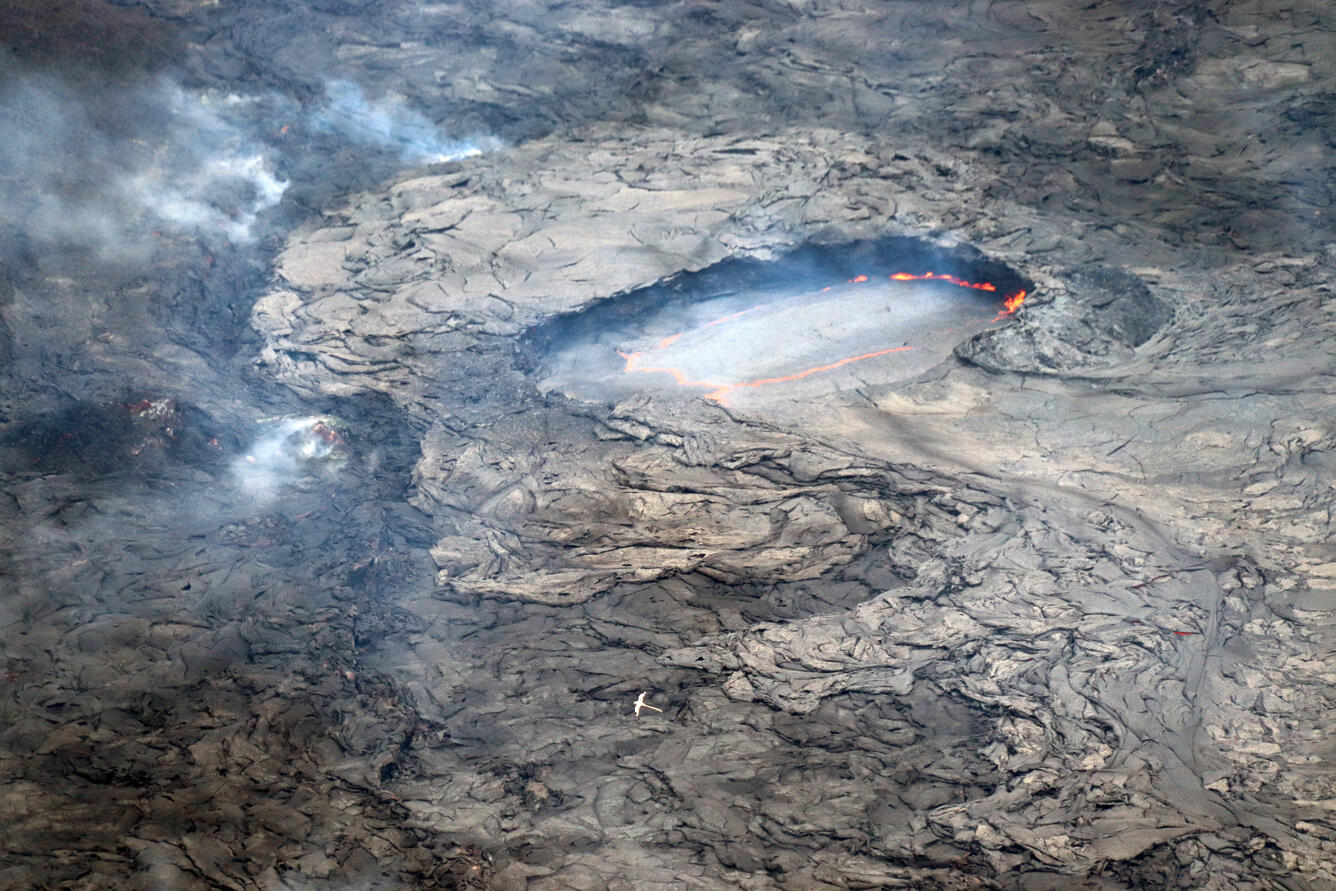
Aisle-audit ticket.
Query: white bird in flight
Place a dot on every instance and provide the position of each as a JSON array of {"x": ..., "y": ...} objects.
[{"x": 641, "y": 703}]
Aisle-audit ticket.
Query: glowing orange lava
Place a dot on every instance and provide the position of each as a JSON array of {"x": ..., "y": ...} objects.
[
  {"x": 929, "y": 276},
  {"x": 1009, "y": 304},
  {"x": 719, "y": 392}
]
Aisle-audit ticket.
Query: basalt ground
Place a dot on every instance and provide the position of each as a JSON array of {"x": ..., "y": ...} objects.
[{"x": 338, "y": 557}]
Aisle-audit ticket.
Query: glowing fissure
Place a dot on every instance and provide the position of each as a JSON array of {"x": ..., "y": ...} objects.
[{"x": 719, "y": 392}]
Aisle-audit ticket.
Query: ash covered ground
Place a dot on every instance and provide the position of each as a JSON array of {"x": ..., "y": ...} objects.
[{"x": 323, "y": 567}]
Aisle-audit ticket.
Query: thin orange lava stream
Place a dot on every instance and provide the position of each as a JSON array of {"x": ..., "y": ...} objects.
[
  {"x": 719, "y": 392},
  {"x": 1010, "y": 303},
  {"x": 633, "y": 364},
  {"x": 928, "y": 276},
  {"x": 731, "y": 318}
]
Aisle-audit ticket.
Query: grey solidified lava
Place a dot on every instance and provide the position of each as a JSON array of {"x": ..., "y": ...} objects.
[{"x": 325, "y": 563}]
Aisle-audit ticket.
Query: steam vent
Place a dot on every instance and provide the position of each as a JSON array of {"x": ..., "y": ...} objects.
[{"x": 757, "y": 444}]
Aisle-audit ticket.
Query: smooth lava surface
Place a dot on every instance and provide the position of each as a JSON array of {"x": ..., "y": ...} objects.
[{"x": 751, "y": 348}]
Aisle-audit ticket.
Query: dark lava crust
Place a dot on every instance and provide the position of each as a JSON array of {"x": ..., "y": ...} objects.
[{"x": 307, "y": 580}]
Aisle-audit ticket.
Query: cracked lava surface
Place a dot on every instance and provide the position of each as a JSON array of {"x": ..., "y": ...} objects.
[{"x": 340, "y": 556}]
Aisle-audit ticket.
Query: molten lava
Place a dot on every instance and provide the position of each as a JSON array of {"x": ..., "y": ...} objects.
[
  {"x": 719, "y": 392},
  {"x": 929, "y": 276}
]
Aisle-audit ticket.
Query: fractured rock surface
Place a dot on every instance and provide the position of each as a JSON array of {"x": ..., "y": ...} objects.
[{"x": 1052, "y": 610}]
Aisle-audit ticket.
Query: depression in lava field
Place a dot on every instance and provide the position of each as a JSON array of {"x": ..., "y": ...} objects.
[{"x": 755, "y": 334}]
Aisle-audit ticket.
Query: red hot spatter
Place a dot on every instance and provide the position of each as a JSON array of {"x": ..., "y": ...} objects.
[
  {"x": 719, "y": 392},
  {"x": 326, "y": 434}
]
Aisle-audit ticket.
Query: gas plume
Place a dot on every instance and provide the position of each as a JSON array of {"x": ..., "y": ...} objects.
[
  {"x": 391, "y": 123},
  {"x": 287, "y": 450},
  {"x": 106, "y": 169}
]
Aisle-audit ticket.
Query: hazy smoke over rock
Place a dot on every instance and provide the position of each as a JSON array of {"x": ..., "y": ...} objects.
[
  {"x": 107, "y": 168},
  {"x": 284, "y": 452},
  {"x": 103, "y": 170},
  {"x": 389, "y": 122}
]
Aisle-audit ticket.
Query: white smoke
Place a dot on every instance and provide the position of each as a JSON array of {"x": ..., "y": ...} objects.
[
  {"x": 293, "y": 448},
  {"x": 190, "y": 200},
  {"x": 389, "y": 122},
  {"x": 103, "y": 170},
  {"x": 109, "y": 168}
]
